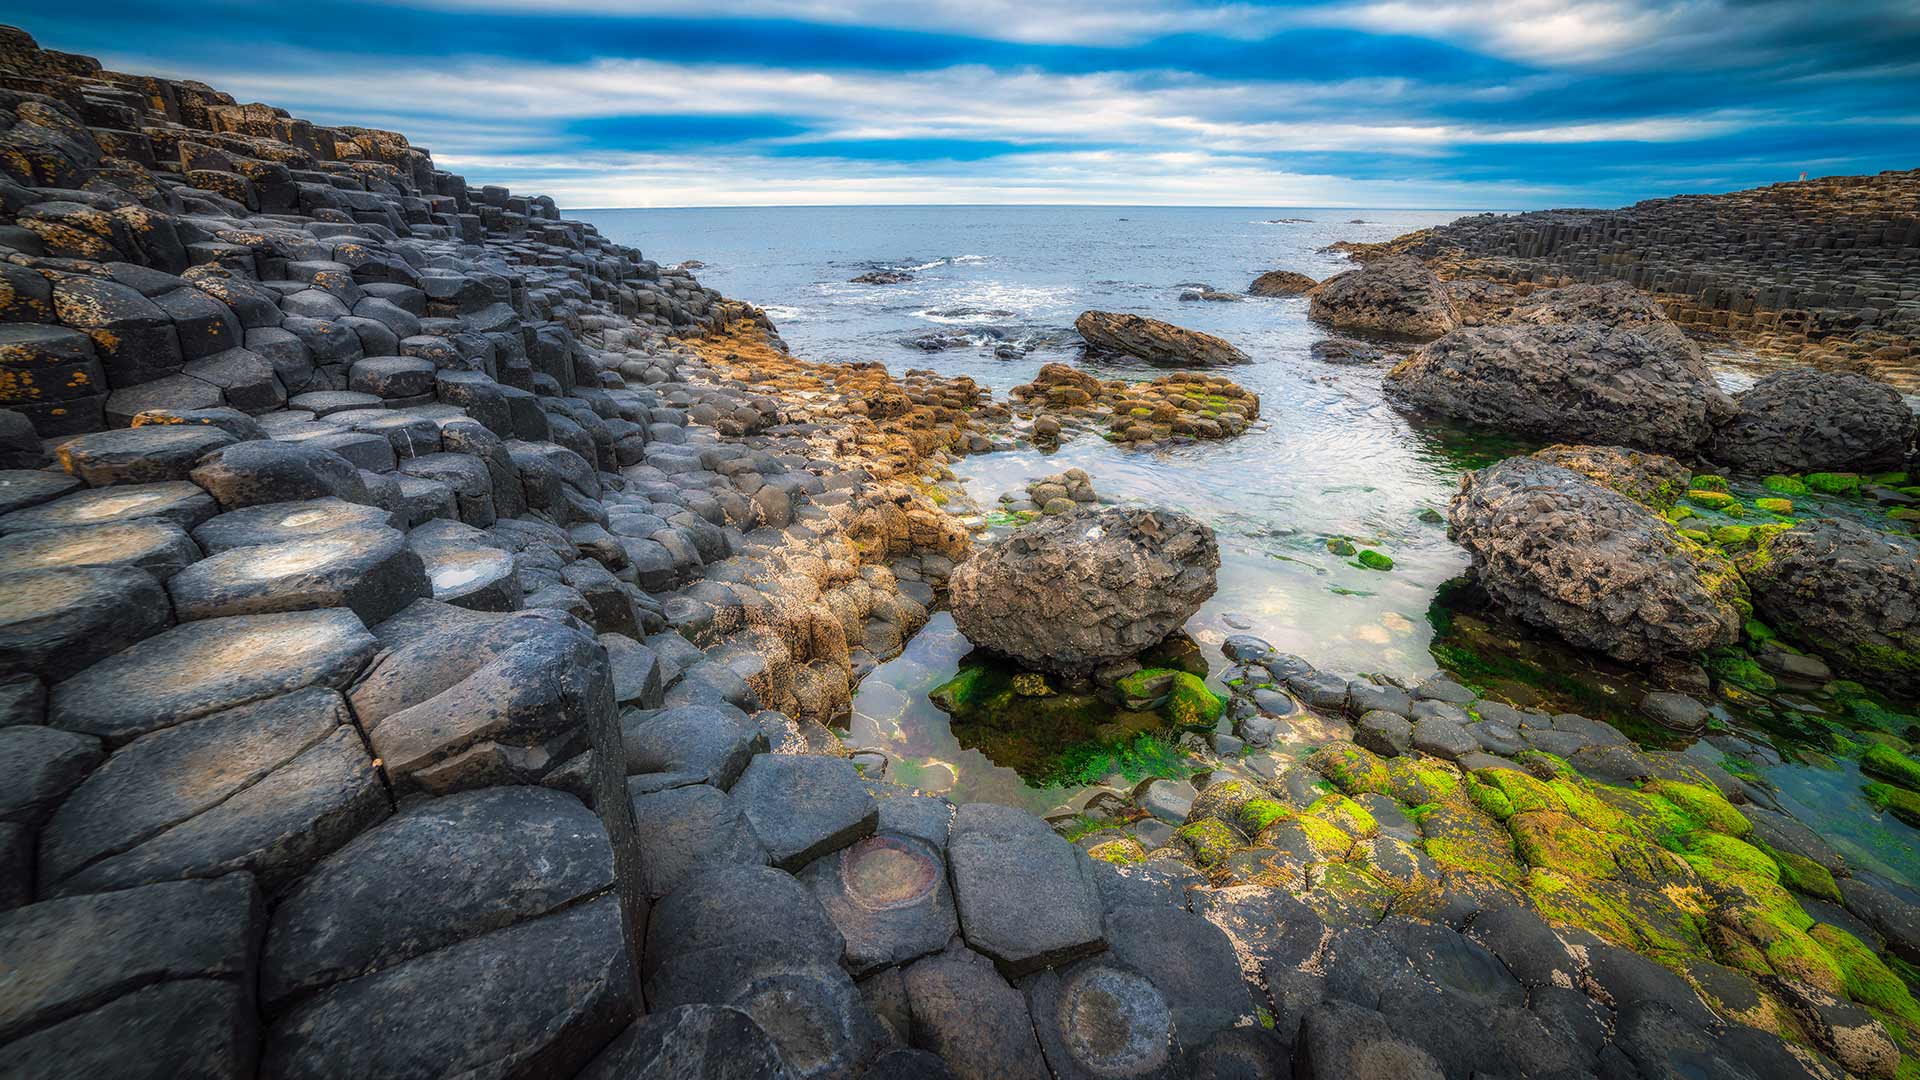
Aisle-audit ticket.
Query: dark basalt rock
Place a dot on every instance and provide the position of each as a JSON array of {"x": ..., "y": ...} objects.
[
  {"x": 1192, "y": 963},
  {"x": 251, "y": 473},
  {"x": 41, "y": 765},
  {"x": 1803, "y": 420},
  {"x": 54, "y": 623},
  {"x": 1596, "y": 567},
  {"x": 269, "y": 787},
  {"x": 210, "y": 665},
  {"x": 1154, "y": 341},
  {"x": 1026, "y": 897},
  {"x": 702, "y": 744},
  {"x": 31, "y": 486},
  {"x": 1077, "y": 590},
  {"x": 540, "y": 997},
  {"x": 277, "y": 523},
  {"x": 1852, "y": 589},
  {"x": 1654, "y": 479},
  {"x": 159, "y": 548},
  {"x": 142, "y": 455},
  {"x": 803, "y": 806},
  {"x": 888, "y": 894},
  {"x": 1342, "y": 1041},
  {"x": 881, "y": 277},
  {"x": 683, "y": 831},
  {"x": 1397, "y": 296},
  {"x": 138, "y": 982},
  {"x": 962, "y": 1010},
  {"x": 691, "y": 1042},
  {"x": 175, "y": 502},
  {"x": 1586, "y": 381},
  {"x": 1281, "y": 283},
  {"x": 369, "y": 570},
  {"x": 1098, "y": 1019}
]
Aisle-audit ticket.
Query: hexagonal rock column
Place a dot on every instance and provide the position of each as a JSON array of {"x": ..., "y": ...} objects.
[
  {"x": 251, "y": 473},
  {"x": 690, "y": 1042},
  {"x": 1026, "y": 897},
  {"x": 210, "y": 665},
  {"x": 278, "y": 523},
  {"x": 156, "y": 981},
  {"x": 175, "y": 501},
  {"x": 803, "y": 806},
  {"x": 270, "y": 787},
  {"x": 1097, "y": 1019},
  {"x": 962, "y": 1010},
  {"x": 31, "y": 486},
  {"x": 752, "y": 937},
  {"x": 463, "y": 698},
  {"x": 54, "y": 623},
  {"x": 470, "y": 934},
  {"x": 142, "y": 455},
  {"x": 888, "y": 894},
  {"x": 369, "y": 570},
  {"x": 465, "y": 567},
  {"x": 159, "y": 548}
]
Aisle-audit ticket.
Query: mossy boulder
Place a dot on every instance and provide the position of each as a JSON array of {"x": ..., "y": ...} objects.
[
  {"x": 1892, "y": 766},
  {"x": 1785, "y": 485},
  {"x": 1415, "y": 780},
  {"x": 1694, "y": 807},
  {"x": 1344, "y": 814},
  {"x": 1122, "y": 852},
  {"x": 1553, "y": 840},
  {"x": 1209, "y": 841},
  {"x": 1833, "y": 483},
  {"x": 1708, "y": 499},
  {"x": 1351, "y": 768},
  {"x": 1899, "y": 802},
  {"x": 1374, "y": 560}
]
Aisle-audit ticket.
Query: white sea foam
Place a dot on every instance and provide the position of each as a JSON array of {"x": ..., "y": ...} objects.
[{"x": 781, "y": 313}]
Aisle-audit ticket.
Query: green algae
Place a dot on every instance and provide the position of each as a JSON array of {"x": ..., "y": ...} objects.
[
  {"x": 1899, "y": 802},
  {"x": 1892, "y": 766},
  {"x": 1191, "y": 704},
  {"x": 1785, "y": 485},
  {"x": 1119, "y": 852},
  {"x": 1694, "y": 807},
  {"x": 1711, "y": 500},
  {"x": 1374, "y": 560},
  {"x": 1341, "y": 546},
  {"x": 1710, "y": 853},
  {"x": 1551, "y": 840},
  {"x": 1344, "y": 814},
  {"x": 1833, "y": 483},
  {"x": 1774, "y": 506},
  {"x": 1865, "y": 977},
  {"x": 1352, "y": 769},
  {"x": 1257, "y": 814},
  {"x": 1211, "y": 841},
  {"x": 1803, "y": 875}
]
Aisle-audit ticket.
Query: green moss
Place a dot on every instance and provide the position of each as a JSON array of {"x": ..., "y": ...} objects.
[
  {"x": 1210, "y": 841},
  {"x": 1891, "y": 479},
  {"x": 1678, "y": 514},
  {"x": 1785, "y": 485},
  {"x": 1733, "y": 535},
  {"x": 1710, "y": 853},
  {"x": 1709, "y": 482},
  {"x": 1556, "y": 841},
  {"x": 1892, "y": 766},
  {"x": 1864, "y": 976},
  {"x": 1374, "y": 560},
  {"x": 1899, "y": 802},
  {"x": 1803, "y": 875},
  {"x": 1887, "y": 658},
  {"x": 1416, "y": 781},
  {"x": 1351, "y": 768},
  {"x": 1191, "y": 704},
  {"x": 1329, "y": 841},
  {"x": 1740, "y": 669},
  {"x": 1257, "y": 814},
  {"x": 1758, "y": 632},
  {"x": 1833, "y": 483},
  {"x": 1699, "y": 806},
  {"x": 1011, "y": 518},
  {"x": 1344, "y": 814},
  {"x": 1489, "y": 798},
  {"x": 1710, "y": 500},
  {"x": 1119, "y": 852},
  {"x": 1698, "y": 536},
  {"x": 1460, "y": 838},
  {"x": 969, "y": 689},
  {"x": 1341, "y": 546},
  {"x": 1775, "y": 506},
  {"x": 1145, "y": 755}
]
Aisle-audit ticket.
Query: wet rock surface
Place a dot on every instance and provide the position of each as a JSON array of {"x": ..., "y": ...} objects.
[
  {"x": 1154, "y": 341},
  {"x": 1395, "y": 296}
]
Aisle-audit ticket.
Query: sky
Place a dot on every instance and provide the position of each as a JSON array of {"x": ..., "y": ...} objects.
[{"x": 1499, "y": 104}]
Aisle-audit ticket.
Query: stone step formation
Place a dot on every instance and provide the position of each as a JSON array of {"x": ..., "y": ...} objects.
[
  {"x": 418, "y": 626},
  {"x": 1825, "y": 270}
]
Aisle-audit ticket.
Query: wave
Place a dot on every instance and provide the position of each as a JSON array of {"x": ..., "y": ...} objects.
[{"x": 780, "y": 313}]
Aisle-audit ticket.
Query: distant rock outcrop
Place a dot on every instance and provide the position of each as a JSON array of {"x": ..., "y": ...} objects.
[
  {"x": 1154, "y": 341},
  {"x": 1398, "y": 296},
  {"x": 881, "y": 277}
]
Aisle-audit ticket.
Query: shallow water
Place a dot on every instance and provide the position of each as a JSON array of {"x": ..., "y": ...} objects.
[{"x": 1329, "y": 458}]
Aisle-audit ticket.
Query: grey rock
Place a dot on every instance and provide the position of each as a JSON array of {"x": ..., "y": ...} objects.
[
  {"x": 251, "y": 473},
  {"x": 158, "y": 547},
  {"x": 803, "y": 806},
  {"x": 1190, "y": 960},
  {"x": 690, "y": 1042},
  {"x": 963, "y": 1011},
  {"x": 369, "y": 570},
  {"x": 55, "y": 623},
  {"x": 1396, "y": 295},
  {"x": 1675, "y": 712},
  {"x": 1342, "y": 1041},
  {"x": 682, "y": 831},
  {"x": 1154, "y": 341},
  {"x": 41, "y": 764},
  {"x": 889, "y": 896},
  {"x": 1026, "y": 897},
  {"x": 177, "y": 502},
  {"x": 1080, "y": 589},
  {"x": 1443, "y": 738},
  {"x": 1803, "y": 420},
  {"x": 711, "y": 743},
  {"x": 141, "y": 455},
  {"x": 1853, "y": 589},
  {"x": 1097, "y": 1019}
]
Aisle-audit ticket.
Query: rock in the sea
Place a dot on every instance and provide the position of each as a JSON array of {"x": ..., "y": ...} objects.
[
  {"x": 1396, "y": 295},
  {"x": 1281, "y": 283},
  {"x": 1654, "y": 479},
  {"x": 1154, "y": 341},
  {"x": 881, "y": 277},
  {"x": 1584, "y": 380},
  {"x": 1076, "y": 590},
  {"x": 1811, "y": 421},
  {"x": 1606, "y": 573},
  {"x": 1852, "y": 589}
]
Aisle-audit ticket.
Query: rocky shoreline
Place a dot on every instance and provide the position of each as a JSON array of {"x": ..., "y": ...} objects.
[{"x": 423, "y": 620}]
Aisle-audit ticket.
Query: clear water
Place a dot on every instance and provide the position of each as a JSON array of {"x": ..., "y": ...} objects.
[{"x": 1329, "y": 459}]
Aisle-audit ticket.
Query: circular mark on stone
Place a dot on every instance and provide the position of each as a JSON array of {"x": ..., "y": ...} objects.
[
  {"x": 1116, "y": 1023},
  {"x": 883, "y": 872}
]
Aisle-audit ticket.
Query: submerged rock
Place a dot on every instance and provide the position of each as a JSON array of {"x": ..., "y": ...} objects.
[
  {"x": 881, "y": 277},
  {"x": 1603, "y": 571},
  {"x": 1397, "y": 295},
  {"x": 1809, "y": 421},
  {"x": 1076, "y": 590},
  {"x": 1154, "y": 341},
  {"x": 1853, "y": 590}
]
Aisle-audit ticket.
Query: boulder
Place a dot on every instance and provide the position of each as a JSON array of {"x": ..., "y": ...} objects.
[
  {"x": 1586, "y": 380},
  {"x": 1606, "y": 573},
  {"x": 1852, "y": 590},
  {"x": 1025, "y": 896},
  {"x": 1154, "y": 341},
  {"x": 1281, "y": 283},
  {"x": 1804, "y": 420},
  {"x": 1076, "y": 590},
  {"x": 1654, "y": 479},
  {"x": 1396, "y": 295}
]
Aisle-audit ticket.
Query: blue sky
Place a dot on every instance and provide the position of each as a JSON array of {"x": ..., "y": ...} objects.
[{"x": 1417, "y": 103}]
